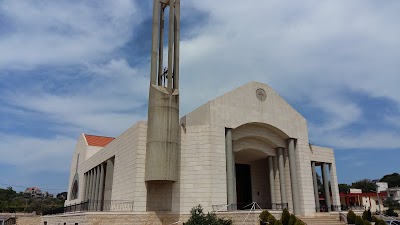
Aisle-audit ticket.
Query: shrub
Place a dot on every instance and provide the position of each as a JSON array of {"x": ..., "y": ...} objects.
[
  {"x": 278, "y": 222},
  {"x": 359, "y": 220},
  {"x": 199, "y": 218},
  {"x": 292, "y": 219},
  {"x": 351, "y": 217},
  {"x": 367, "y": 215},
  {"x": 285, "y": 217},
  {"x": 271, "y": 219},
  {"x": 264, "y": 216},
  {"x": 299, "y": 222},
  {"x": 374, "y": 219},
  {"x": 380, "y": 222},
  {"x": 366, "y": 222},
  {"x": 391, "y": 212}
]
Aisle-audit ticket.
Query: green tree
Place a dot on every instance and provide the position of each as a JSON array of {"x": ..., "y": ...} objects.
[
  {"x": 365, "y": 185},
  {"x": 367, "y": 215},
  {"x": 391, "y": 212},
  {"x": 351, "y": 217},
  {"x": 390, "y": 202},
  {"x": 393, "y": 179},
  {"x": 285, "y": 216},
  {"x": 198, "y": 217},
  {"x": 292, "y": 219},
  {"x": 344, "y": 188},
  {"x": 359, "y": 220}
]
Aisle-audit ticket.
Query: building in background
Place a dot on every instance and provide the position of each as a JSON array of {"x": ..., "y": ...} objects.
[{"x": 34, "y": 192}]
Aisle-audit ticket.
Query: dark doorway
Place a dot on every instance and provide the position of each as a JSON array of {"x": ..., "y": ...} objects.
[{"x": 243, "y": 185}]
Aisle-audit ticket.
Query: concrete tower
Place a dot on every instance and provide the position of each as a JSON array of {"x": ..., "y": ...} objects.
[{"x": 163, "y": 130}]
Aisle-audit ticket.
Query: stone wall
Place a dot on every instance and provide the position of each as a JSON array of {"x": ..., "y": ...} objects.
[
  {"x": 146, "y": 218},
  {"x": 28, "y": 220}
]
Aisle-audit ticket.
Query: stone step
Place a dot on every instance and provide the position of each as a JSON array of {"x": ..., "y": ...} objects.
[{"x": 321, "y": 221}]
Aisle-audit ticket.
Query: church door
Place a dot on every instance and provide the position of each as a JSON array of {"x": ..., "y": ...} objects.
[{"x": 243, "y": 185}]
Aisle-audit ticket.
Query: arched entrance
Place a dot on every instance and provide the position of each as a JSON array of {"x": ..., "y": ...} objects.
[
  {"x": 254, "y": 165},
  {"x": 252, "y": 182}
]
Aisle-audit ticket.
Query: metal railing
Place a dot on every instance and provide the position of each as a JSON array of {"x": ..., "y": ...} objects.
[
  {"x": 324, "y": 208},
  {"x": 94, "y": 206},
  {"x": 357, "y": 207},
  {"x": 235, "y": 207}
]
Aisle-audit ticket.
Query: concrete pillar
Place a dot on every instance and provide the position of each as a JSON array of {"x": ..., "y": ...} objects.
[
  {"x": 334, "y": 185},
  {"x": 108, "y": 183},
  {"x": 177, "y": 34},
  {"x": 230, "y": 168},
  {"x": 282, "y": 175},
  {"x": 316, "y": 194},
  {"x": 277, "y": 181},
  {"x": 93, "y": 189},
  {"x": 90, "y": 175},
  {"x": 101, "y": 188},
  {"x": 171, "y": 33},
  {"x": 271, "y": 181},
  {"x": 326, "y": 187},
  {"x": 293, "y": 176},
  {"x": 96, "y": 187},
  {"x": 86, "y": 186},
  {"x": 154, "y": 46}
]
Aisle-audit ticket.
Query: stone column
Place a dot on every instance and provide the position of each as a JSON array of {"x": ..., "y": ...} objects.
[
  {"x": 86, "y": 186},
  {"x": 326, "y": 187},
  {"x": 271, "y": 181},
  {"x": 293, "y": 176},
  {"x": 277, "y": 181},
  {"x": 101, "y": 188},
  {"x": 89, "y": 188},
  {"x": 315, "y": 182},
  {"x": 230, "y": 168},
  {"x": 93, "y": 189},
  {"x": 282, "y": 176},
  {"x": 334, "y": 185},
  {"x": 96, "y": 187},
  {"x": 108, "y": 183}
]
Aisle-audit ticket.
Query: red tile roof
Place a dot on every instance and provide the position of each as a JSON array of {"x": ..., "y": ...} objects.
[{"x": 100, "y": 141}]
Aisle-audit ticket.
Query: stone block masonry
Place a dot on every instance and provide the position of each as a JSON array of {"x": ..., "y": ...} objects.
[{"x": 146, "y": 218}]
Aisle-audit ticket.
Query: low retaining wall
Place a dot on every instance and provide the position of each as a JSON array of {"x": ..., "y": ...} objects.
[
  {"x": 29, "y": 220},
  {"x": 145, "y": 218}
]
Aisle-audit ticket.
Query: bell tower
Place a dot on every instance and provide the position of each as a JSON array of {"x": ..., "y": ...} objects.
[{"x": 163, "y": 130}]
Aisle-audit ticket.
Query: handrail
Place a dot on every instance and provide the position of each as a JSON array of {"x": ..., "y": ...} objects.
[{"x": 90, "y": 206}]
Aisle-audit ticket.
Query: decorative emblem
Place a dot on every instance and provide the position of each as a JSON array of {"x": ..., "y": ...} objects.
[{"x": 261, "y": 94}]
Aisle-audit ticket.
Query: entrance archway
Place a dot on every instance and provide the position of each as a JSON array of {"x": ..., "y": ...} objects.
[{"x": 254, "y": 146}]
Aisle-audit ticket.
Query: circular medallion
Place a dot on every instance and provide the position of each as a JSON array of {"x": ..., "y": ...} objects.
[{"x": 261, "y": 94}]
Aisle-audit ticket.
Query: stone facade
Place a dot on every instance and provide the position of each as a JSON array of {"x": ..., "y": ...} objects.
[
  {"x": 258, "y": 131},
  {"x": 146, "y": 218},
  {"x": 28, "y": 220}
]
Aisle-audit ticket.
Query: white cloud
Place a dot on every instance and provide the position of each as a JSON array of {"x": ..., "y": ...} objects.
[
  {"x": 106, "y": 105},
  {"x": 368, "y": 139},
  {"x": 36, "y": 154},
  {"x": 64, "y": 32}
]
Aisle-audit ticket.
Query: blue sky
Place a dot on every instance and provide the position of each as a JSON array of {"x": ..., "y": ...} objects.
[{"x": 71, "y": 67}]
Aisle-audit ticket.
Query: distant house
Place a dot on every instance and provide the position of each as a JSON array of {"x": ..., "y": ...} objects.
[
  {"x": 394, "y": 192},
  {"x": 34, "y": 192},
  {"x": 356, "y": 199}
]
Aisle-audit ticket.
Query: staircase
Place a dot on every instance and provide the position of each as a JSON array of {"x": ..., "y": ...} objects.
[{"x": 321, "y": 220}]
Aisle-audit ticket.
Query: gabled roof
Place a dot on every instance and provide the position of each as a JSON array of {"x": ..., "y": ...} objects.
[{"x": 100, "y": 141}]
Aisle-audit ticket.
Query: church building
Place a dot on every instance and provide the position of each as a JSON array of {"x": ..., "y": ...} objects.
[{"x": 248, "y": 146}]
